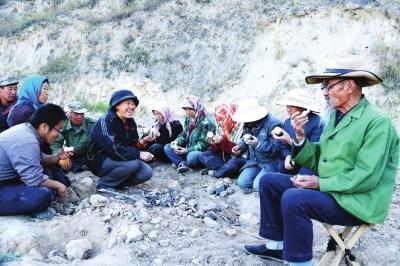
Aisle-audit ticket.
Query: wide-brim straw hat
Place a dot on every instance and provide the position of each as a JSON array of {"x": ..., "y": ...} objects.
[
  {"x": 300, "y": 98},
  {"x": 346, "y": 67},
  {"x": 249, "y": 110}
]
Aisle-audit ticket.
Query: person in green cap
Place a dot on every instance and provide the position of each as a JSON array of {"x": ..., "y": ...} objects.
[{"x": 8, "y": 97}]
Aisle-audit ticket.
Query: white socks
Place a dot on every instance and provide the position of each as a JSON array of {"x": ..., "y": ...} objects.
[{"x": 274, "y": 245}]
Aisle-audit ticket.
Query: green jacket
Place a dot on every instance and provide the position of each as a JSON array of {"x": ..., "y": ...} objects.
[
  {"x": 198, "y": 137},
  {"x": 357, "y": 161},
  {"x": 80, "y": 139}
]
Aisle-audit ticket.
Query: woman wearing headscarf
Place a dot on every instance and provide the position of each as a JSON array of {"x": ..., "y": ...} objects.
[
  {"x": 262, "y": 150},
  {"x": 33, "y": 92},
  {"x": 115, "y": 154},
  {"x": 184, "y": 151},
  {"x": 166, "y": 129},
  {"x": 219, "y": 160},
  {"x": 297, "y": 100}
]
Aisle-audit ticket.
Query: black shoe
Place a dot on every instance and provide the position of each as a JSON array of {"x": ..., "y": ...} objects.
[
  {"x": 182, "y": 167},
  {"x": 263, "y": 252},
  {"x": 204, "y": 171}
]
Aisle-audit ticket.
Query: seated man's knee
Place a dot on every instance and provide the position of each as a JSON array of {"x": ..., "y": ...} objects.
[
  {"x": 267, "y": 180},
  {"x": 192, "y": 158},
  {"x": 43, "y": 197},
  {"x": 292, "y": 198}
]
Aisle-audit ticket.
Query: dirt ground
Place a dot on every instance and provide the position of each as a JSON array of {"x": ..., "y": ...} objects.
[{"x": 180, "y": 222}]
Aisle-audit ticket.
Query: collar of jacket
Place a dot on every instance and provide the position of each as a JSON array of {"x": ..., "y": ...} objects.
[{"x": 69, "y": 126}]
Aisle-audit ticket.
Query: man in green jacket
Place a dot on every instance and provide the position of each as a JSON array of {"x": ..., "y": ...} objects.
[
  {"x": 75, "y": 133},
  {"x": 356, "y": 158}
]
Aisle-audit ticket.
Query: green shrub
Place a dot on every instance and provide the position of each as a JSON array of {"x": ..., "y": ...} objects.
[
  {"x": 95, "y": 107},
  {"x": 60, "y": 68},
  {"x": 388, "y": 65}
]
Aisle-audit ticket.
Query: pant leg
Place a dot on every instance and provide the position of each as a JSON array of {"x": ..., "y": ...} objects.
[
  {"x": 114, "y": 173},
  {"x": 246, "y": 177},
  {"x": 192, "y": 159},
  {"x": 172, "y": 156},
  {"x": 230, "y": 168},
  {"x": 266, "y": 168},
  {"x": 211, "y": 160},
  {"x": 20, "y": 199},
  {"x": 158, "y": 151},
  {"x": 143, "y": 174},
  {"x": 298, "y": 207},
  {"x": 57, "y": 174}
]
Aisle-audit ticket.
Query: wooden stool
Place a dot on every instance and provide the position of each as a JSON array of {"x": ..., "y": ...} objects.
[{"x": 341, "y": 244}]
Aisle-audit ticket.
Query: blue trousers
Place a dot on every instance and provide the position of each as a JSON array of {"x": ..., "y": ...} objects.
[
  {"x": 116, "y": 174},
  {"x": 17, "y": 198},
  {"x": 158, "y": 151},
  {"x": 286, "y": 214},
  {"x": 191, "y": 158},
  {"x": 250, "y": 176},
  {"x": 222, "y": 168}
]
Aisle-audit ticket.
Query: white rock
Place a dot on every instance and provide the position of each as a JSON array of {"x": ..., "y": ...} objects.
[
  {"x": 174, "y": 185},
  {"x": 207, "y": 205},
  {"x": 97, "y": 200},
  {"x": 34, "y": 254},
  {"x": 164, "y": 243},
  {"x": 194, "y": 233},
  {"x": 133, "y": 234},
  {"x": 231, "y": 232},
  {"x": 84, "y": 187},
  {"x": 156, "y": 220},
  {"x": 210, "y": 223},
  {"x": 223, "y": 193},
  {"x": 78, "y": 249},
  {"x": 107, "y": 218},
  {"x": 115, "y": 213},
  {"x": 143, "y": 216},
  {"x": 248, "y": 218},
  {"x": 153, "y": 235}
]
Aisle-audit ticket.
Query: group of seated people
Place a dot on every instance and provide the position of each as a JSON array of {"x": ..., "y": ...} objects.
[
  {"x": 341, "y": 182},
  {"x": 236, "y": 141}
]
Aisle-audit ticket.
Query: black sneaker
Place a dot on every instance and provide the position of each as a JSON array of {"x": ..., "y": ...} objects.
[
  {"x": 263, "y": 252},
  {"x": 204, "y": 171},
  {"x": 182, "y": 167}
]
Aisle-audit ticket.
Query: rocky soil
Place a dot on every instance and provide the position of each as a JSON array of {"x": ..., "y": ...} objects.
[{"x": 174, "y": 219}]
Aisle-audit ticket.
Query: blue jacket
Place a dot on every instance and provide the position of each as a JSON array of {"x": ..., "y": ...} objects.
[
  {"x": 312, "y": 130},
  {"x": 267, "y": 151},
  {"x": 110, "y": 139}
]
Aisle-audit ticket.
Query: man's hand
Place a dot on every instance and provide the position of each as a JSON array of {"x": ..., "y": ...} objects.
[
  {"x": 146, "y": 156},
  {"x": 305, "y": 181},
  {"x": 236, "y": 150},
  {"x": 298, "y": 121},
  {"x": 288, "y": 163},
  {"x": 250, "y": 140},
  {"x": 283, "y": 138},
  {"x": 62, "y": 154},
  {"x": 180, "y": 150},
  {"x": 62, "y": 190}
]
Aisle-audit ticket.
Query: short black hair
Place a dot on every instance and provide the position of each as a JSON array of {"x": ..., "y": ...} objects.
[{"x": 48, "y": 113}]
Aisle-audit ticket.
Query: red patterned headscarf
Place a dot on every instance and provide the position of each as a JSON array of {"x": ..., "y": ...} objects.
[{"x": 223, "y": 113}]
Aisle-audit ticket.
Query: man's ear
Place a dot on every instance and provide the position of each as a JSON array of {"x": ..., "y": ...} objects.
[{"x": 43, "y": 128}]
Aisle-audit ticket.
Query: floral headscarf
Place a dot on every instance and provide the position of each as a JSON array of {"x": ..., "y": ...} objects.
[
  {"x": 168, "y": 115},
  {"x": 198, "y": 107},
  {"x": 224, "y": 113}
]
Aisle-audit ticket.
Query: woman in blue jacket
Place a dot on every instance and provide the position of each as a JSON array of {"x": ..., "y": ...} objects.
[
  {"x": 297, "y": 100},
  {"x": 261, "y": 149},
  {"x": 115, "y": 154}
]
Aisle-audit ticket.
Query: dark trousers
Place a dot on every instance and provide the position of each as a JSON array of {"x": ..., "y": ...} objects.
[
  {"x": 286, "y": 214},
  {"x": 116, "y": 174},
  {"x": 297, "y": 169},
  {"x": 17, "y": 198},
  {"x": 158, "y": 151},
  {"x": 229, "y": 167}
]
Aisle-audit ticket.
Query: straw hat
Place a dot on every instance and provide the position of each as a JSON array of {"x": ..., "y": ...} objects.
[
  {"x": 249, "y": 110},
  {"x": 300, "y": 98},
  {"x": 346, "y": 67}
]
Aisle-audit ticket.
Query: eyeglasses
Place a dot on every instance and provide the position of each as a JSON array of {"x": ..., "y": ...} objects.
[
  {"x": 58, "y": 130},
  {"x": 327, "y": 87}
]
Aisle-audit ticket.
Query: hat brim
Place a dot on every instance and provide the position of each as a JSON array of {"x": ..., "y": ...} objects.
[
  {"x": 80, "y": 111},
  {"x": 135, "y": 99},
  {"x": 369, "y": 79},
  {"x": 245, "y": 117},
  {"x": 9, "y": 83},
  {"x": 297, "y": 104}
]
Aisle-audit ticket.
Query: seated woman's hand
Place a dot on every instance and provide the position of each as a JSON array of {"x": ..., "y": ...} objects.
[
  {"x": 146, "y": 156},
  {"x": 236, "y": 150},
  {"x": 180, "y": 150},
  {"x": 217, "y": 139},
  {"x": 289, "y": 163},
  {"x": 283, "y": 138}
]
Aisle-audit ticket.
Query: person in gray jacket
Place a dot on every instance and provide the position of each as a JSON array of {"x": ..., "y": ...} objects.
[{"x": 24, "y": 186}]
